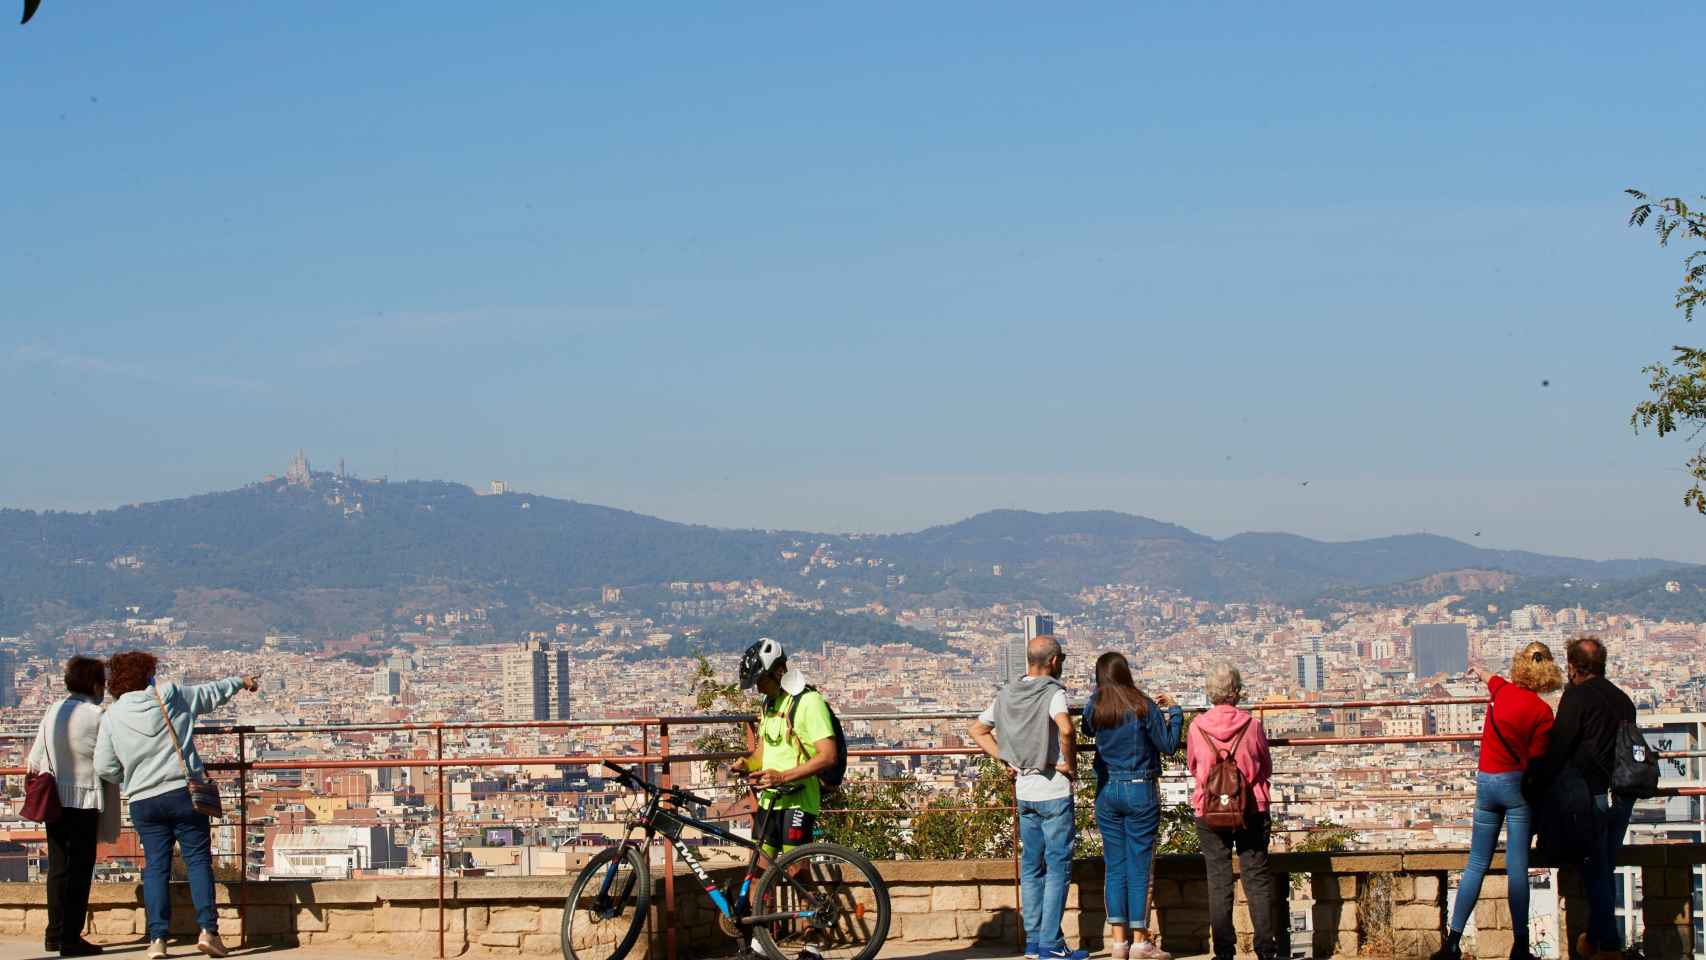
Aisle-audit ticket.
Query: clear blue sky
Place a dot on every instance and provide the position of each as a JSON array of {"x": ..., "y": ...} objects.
[{"x": 858, "y": 266}]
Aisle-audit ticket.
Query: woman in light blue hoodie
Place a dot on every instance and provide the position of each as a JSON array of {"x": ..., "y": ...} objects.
[{"x": 135, "y": 748}]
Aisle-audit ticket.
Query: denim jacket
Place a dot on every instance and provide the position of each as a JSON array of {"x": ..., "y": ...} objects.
[{"x": 1133, "y": 750}]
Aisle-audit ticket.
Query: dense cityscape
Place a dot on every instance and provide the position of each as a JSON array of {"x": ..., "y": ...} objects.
[{"x": 534, "y": 818}]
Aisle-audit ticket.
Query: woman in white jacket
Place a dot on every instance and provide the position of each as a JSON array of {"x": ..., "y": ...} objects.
[{"x": 65, "y": 747}]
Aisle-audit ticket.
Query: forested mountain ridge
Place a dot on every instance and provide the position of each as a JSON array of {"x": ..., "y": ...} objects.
[{"x": 344, "y": 554}]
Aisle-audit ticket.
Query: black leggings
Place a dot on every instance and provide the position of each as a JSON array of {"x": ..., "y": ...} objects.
[
  {"x": 1251, "y": 844},
  {"x": 70, "y": 871}
]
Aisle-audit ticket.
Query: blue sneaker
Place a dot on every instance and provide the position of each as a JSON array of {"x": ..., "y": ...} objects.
[
  {"x": 1064, "y": 952},
  {"x": 1031, "y": 950}
]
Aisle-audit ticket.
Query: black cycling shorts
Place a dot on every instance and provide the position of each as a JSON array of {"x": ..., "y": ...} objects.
[{"x": 788, "y": 827}]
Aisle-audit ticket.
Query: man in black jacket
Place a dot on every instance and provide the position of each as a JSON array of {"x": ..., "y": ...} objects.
[{"x": 1584, "y": 735}]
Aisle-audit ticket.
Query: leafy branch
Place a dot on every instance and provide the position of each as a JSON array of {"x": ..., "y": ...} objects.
[
  {"x": 708, "y": 693},
  {"x": 1670, "y": 216},
  {"x": 1678, "y": 403}
]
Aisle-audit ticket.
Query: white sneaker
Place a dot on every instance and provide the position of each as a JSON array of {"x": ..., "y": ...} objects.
[
  {"x": 157, "y": 950},
  {"x": 210, "y": 944},
  {"x": 1149, "y": 950}
]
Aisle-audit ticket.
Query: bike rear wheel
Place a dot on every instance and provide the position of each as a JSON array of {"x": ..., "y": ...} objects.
[
  {"x": 848, "y": 900},
  {"x": 606, "y": 909}
]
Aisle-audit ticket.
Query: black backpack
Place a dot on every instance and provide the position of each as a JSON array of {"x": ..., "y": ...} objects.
[
  {"x": 831, "y": 777},
  {"x": 1634, "y": 769}
]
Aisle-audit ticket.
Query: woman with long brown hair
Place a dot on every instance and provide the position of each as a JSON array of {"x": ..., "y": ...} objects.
[{"x": 1132, "y": 734}]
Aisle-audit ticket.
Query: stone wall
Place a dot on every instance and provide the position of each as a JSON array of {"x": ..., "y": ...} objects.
[{"x": 1364, "y": 904}]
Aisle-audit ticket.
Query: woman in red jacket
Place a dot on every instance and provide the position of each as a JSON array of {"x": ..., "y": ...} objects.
[{"x": 1516, "y": 729}]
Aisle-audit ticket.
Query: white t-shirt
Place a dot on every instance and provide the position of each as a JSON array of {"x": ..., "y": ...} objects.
[{"x": 1050, "y": 784}]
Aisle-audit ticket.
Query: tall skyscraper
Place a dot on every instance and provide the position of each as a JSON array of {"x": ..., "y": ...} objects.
[
  {"x": 387, "y": 682},
  {"x": 536, "y": 682},
  {"x": 1012, "y": 659},
  {"x": 557, "y": 682},
  {"x": 1013, "y": 652},
  {"x": 8, "y": 679},
  {"x": 1437, "y": 648},
  {"x": 526, "y": 689},
  {"x": 1310, "y": 671}
]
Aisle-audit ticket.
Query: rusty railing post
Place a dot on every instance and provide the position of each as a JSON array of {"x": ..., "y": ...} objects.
[
  {"x": 668, "y": 850},
  {"x": 1018, "y": 883},
  {"x": 242, "y": 841},
  {"x": 442, "y": 851}
]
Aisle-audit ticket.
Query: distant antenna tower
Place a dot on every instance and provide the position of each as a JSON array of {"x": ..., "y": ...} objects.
[{"x": 343, "y": 474}]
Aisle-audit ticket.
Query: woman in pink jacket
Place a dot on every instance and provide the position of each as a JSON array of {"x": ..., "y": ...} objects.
[{"x": 1225, "y": 731}]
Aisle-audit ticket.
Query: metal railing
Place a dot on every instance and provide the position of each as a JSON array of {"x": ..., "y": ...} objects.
[{"x": 654, "y": 745}]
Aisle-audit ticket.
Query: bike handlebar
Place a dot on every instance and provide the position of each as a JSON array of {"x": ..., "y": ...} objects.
[{"x": 635, "y": 780}]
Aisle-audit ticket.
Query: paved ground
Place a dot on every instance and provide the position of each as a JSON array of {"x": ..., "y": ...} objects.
[{"x": 131, "y": 950}]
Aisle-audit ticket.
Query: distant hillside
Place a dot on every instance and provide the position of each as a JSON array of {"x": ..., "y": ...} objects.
[
  {"x": 1648, "y": 596},
  {"x": 343, "y": 556}
]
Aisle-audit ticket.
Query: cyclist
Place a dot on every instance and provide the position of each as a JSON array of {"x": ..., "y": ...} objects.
[
  {"x": 794, "y": 743},
  {"x": 796, "y": 740}
]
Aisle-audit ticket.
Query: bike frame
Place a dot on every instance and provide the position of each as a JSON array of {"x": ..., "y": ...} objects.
[{"x": 657, "y": 820}]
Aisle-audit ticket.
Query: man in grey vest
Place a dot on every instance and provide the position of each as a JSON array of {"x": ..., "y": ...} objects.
[{"x": 1028, "y": 729}]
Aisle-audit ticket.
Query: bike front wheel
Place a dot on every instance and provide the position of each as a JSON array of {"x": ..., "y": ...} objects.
[
  {"x": 836, "y": 901},
  {"x": 606, "y": 909}
]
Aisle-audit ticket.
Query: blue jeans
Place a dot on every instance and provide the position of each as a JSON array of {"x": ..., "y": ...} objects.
[
  {"x": 1600, "y": 872},
  {"x": 161, "y": 821},
  {"x": 1128, "y": 813},
  {"x": 1046, "y": 836},
  {"x": 1498, "y": 802}
]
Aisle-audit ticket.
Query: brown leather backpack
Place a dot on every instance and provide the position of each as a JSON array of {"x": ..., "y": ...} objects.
[{"x": 1226, "y": 795}]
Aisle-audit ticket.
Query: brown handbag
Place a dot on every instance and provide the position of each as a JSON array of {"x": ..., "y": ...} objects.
[{"x": 204, "y": 795}]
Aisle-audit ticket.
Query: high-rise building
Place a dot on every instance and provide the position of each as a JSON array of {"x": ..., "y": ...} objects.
[
  {"x": 1437, "y": 648},
  {"x": 8, "y": 679},
  {"x": 1310, "y": 671},
  {"x": 536, "y": 682},
  {"x": 387, "y": 683},
  {"x": 557, "y": 682},
  {"x": 1014, "y": 651},
  {"x": 1013, "y": 656},
  {"x": 526, "y": 688}
]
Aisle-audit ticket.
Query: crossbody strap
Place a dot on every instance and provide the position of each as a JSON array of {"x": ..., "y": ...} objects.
[
  {"x": 1493, "y": 723},
  {"x": 47, "y": 738},
  {"x": 176, "y": 743}
]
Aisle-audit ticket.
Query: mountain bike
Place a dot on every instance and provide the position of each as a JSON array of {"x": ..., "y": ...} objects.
[{"x": 816, "y": 900}]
